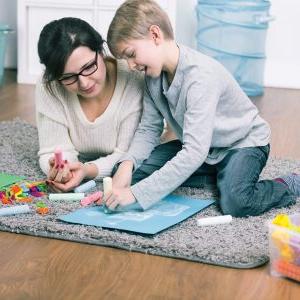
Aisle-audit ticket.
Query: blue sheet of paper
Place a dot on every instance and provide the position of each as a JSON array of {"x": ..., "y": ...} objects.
[{"x": 169, "y": 211}]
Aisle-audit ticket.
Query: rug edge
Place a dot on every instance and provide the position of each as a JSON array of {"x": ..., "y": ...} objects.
[{"x": 262, "y": 261}]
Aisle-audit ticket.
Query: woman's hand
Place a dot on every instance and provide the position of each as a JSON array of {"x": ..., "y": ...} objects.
[
  {"x": 78, "y": 173},
  {"x": 59, "y": 173}
]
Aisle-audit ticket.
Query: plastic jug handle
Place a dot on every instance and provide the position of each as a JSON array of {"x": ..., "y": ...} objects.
[{"x": 259, "y": 19}]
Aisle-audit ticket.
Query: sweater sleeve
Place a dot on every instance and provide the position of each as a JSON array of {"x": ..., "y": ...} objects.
[
  {"x": 201, "y": 102},
  {"x": 52, "y": 128}
]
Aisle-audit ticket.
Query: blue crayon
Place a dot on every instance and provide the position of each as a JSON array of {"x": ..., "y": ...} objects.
[{"x": 85, "y": 186}]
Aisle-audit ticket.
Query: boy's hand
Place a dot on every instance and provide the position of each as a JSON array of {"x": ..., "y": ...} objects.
[{"x": 119, "y": 196}]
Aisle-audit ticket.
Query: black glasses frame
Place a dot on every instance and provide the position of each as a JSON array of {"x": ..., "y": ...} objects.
[{"x": 83, "y": 72}]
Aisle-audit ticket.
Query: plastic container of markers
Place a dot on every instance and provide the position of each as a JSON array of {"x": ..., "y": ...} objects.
[{"x": 284, "y": 249}]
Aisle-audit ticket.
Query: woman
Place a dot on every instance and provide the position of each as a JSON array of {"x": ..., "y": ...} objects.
[{"x": 88, "y": 104}]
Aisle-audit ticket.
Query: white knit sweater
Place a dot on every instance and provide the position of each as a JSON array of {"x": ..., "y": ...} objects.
[{"x": 62, "y": 123}]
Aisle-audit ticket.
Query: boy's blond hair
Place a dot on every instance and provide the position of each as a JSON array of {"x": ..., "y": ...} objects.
[{"x": 133, "y": 20}]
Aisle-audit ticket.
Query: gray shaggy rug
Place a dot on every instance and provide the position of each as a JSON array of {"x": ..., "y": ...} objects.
[{"x": 240, "y": 244}]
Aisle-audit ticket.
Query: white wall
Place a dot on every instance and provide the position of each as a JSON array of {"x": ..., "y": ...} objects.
[
  {"x": 8, "y": 15},
  {"x": 185, "y": 29},
  {"x": 282, "y": 47},
  {"x": 186, "y": 22}
]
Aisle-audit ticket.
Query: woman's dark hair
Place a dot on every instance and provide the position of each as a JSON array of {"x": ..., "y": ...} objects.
[{"x": 57, "y": 41}]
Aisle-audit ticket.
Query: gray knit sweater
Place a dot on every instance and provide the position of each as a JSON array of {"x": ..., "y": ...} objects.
[{"x": 209, "y": 113}]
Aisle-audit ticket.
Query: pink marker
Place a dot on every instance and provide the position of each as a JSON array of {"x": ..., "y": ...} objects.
[
  {"x": 58, "y": 156},
  {"x": 91, "y": 198}
]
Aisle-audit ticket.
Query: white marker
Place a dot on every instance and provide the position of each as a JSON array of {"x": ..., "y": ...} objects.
[
  {"x": 107, "y": 186},
  {"x": 66, "y": 196},
  {"x": 14, "y": 210},
  {"x": 85, "y": 186},
  {"x": 214, "y": 220}
]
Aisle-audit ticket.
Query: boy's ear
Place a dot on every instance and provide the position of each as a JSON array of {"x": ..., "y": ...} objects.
[{"x": 156, "y": 34}]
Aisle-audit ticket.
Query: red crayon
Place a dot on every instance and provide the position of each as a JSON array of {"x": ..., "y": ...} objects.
[{"x": 91, "y": 198}]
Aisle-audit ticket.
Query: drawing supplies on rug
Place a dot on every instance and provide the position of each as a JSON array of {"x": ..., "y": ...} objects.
[
  {"x": 91, "y": 198},
  {"x": 107, "y": 185},
  {"x": 66, "y": 196},
  {"x": 107, "y": 188},
  {"x": 14, "y": 210},
  {"x": 22, "y": 192},
  {"x": 85, "y": 186},
  {"x": 58, "y": 156},
  {"x": 8, "y": 179}
]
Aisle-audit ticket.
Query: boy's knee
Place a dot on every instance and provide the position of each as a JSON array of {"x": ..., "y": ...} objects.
[
  {"x": 138, "y": 175},
  {"x": 237, "y": 205}
]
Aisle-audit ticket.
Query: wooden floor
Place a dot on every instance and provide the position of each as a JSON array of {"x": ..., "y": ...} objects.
[{"x": 40, "y": 268}]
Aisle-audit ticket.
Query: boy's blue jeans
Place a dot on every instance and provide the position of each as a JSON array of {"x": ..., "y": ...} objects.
[{"x": 236, "y": 177}]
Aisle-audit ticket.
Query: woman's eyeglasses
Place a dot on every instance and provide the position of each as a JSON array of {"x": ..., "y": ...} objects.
[{"x": 86, "y": 71}]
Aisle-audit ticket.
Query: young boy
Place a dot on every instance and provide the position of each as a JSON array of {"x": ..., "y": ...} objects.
[{"x": 221, "y": 137}]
